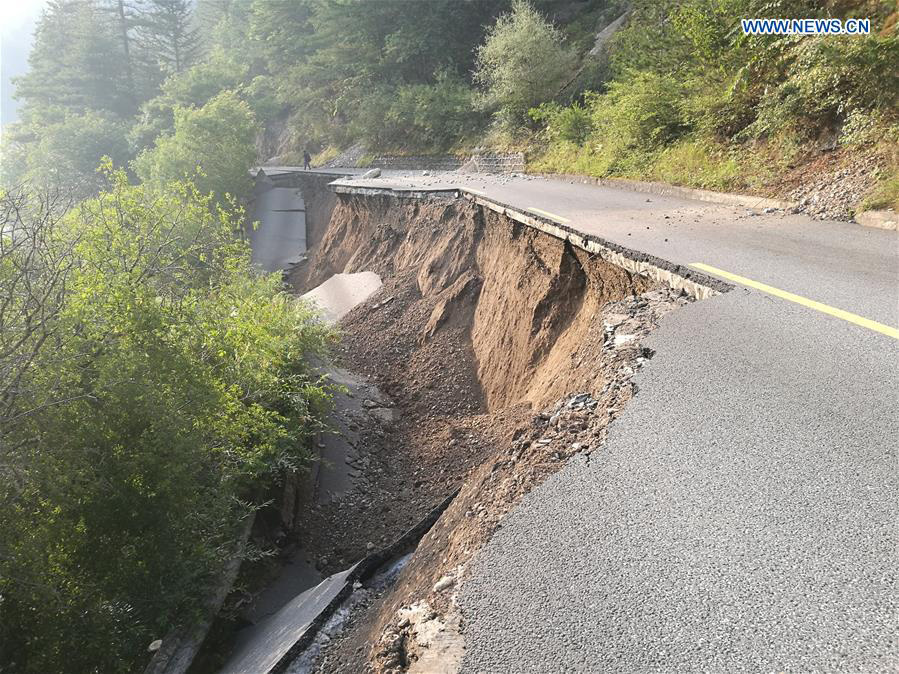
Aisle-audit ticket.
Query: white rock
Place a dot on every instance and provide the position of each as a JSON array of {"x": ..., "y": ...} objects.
[{"x": 444, "y": 583}]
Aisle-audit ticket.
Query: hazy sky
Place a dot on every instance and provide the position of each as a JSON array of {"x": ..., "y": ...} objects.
[{"x": 17, "y": 19}]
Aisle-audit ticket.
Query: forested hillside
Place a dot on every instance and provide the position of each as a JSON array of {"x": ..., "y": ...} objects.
[
  {"x": 678, "y": 94},
  {"x": 689, "y": 99}
]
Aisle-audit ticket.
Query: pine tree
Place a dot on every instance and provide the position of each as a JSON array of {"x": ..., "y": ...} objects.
[
  {"x": 77, "y": 62},
  {"x": 167, "y": 34}
]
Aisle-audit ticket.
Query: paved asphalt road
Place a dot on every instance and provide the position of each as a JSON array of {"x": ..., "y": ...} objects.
[
  {"x": 743, "y": 513},
  {"x": 280, "y": 237}
]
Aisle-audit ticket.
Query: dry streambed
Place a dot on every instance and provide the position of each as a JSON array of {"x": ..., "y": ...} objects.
[{"x": 498, "y": 353}]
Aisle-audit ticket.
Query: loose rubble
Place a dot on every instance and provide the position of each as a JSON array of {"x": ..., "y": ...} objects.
[{"x": 834, "y": 194}]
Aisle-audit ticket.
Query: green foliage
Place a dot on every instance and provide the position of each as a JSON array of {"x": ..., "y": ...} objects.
[
  {"x": 709, "y": 27},
  {"x": 829, "y": 78},
  {"x": 192, "y": 87},
  {"x": 572, "y": 124},
  {"x": 261, "y": 94},
  {"x": 691, "y": 100},
  {"x": 165, "y": 30},
  {"x": 77, "y": 62},
  {"x": 282, "y": 29},
  {"x": 93, "y": 64},
  {"x": 173, "y": 383},
  {"x": 197, "y": 85},
  {"x": 428, "y": 116},
  {"x": 884, "y": 195},
  {"x": 522, "y": 63},
  {"x": 637, "y": 118},
  {"x": 341, "y": 65},
  {"x": 65, "y": 153},
  {"x": 217, "y": 140},
  {"x": 698, "y": 163}
]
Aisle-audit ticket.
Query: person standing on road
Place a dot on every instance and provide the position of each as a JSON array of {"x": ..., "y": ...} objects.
[{"x": 306, "y": 160}]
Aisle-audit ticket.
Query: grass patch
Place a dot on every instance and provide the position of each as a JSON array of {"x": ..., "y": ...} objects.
[
  {"x": 689, "y": 163},
  {"x": 567, "y": 157},
  {"x": 326, "y": 155},
  {"x": 696, "y": 164},
  {"x": 884, "y": 195}
]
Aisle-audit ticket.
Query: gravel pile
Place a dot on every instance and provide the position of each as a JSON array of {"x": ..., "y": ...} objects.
[
  {"x": 834, "y": 195},
  {"x": 349, "y": 158}
]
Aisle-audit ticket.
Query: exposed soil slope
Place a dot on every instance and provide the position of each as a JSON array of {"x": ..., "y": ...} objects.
[{"x": 505, "y": 351}]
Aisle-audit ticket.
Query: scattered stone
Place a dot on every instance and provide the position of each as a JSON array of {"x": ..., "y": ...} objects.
[{"x": 154, "y": 646}]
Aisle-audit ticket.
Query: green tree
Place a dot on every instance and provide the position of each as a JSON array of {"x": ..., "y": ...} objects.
[
  {"x": 168, "y": 385},
  {"x": 77, "y": 62},
  {"x": 64, "y": 153},
  {"x": 522, "y": 63},
  {"x": 165, "y": 30},
  {"x": 193, "y": 87},
  {"x": 216, "y": 139},
  {"x": 428, "y": 116},
  {"x": 339, "y": 62}
]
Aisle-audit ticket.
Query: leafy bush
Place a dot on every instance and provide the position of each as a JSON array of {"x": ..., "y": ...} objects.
[
  {"x": 830, "y": 78},
  {"x": 217, "y": 140},
  {"x": 636, "y": 118},
  {"x": 65, "y": 154},
  {"x": 572, "y": 124},
  {"x": 429, "y": 117},
  {"x": 193, "y": 87},
  {"x": 172, "y": 382},
  {"x": 261, "y": 95},
  {"x": 522, "y": 63}
]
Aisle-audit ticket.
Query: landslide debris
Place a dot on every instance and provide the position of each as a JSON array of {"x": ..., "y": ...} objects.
[{"x": 504, "y": 352}]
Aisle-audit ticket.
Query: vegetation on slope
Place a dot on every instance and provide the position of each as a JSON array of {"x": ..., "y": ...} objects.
[
  {"x": 680, "y": 94},
  {"x": 710, "y": 107},
  {"x": 152, "y": 384}
]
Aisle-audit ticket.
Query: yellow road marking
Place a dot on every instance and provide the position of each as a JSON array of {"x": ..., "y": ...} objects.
[
  {"x": 548, "y": 214},
  {"x": 798, "y": 299}
]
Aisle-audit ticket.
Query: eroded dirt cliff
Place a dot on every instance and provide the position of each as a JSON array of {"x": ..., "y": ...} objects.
[{"x": 504, "y": 352}]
